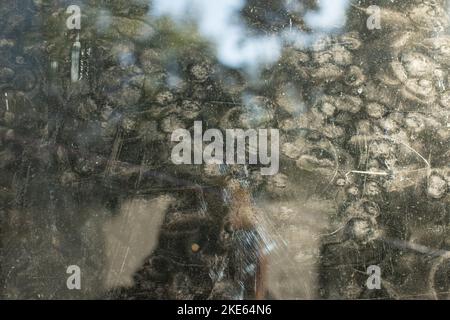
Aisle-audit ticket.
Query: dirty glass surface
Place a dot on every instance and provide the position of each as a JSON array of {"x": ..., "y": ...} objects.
[{"x": 229, "y": 149}]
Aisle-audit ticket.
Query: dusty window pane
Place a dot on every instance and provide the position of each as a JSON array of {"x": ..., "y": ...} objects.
[{"x": 229, "y": 149}]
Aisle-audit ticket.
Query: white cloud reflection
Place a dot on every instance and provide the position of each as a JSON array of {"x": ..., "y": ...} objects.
[
  {"x": 331, "y": 15},
  {"x": 220, "y": 22}
]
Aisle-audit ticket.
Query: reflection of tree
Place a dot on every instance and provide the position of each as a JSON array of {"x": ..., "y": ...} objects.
[
  {"x": 275, "y": 16},
  {"x": 383, "y": 107},
  {"x": 363, "y": 117}
]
